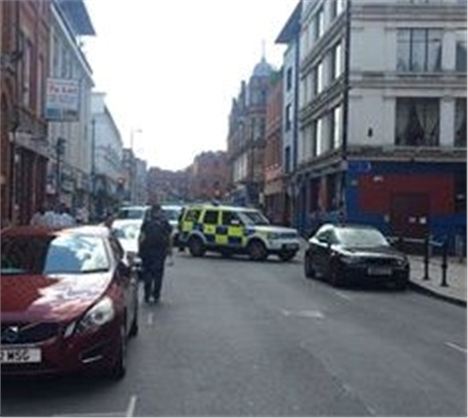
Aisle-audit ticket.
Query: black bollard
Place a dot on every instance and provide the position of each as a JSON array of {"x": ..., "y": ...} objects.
[
  {"x": 427, "y": 243},
  {"x": 444, "y": 264}
]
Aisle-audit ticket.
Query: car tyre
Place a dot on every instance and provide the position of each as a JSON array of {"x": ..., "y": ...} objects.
[
  {"x": 401, "y": 285},
  {"x": 134, "y": 328},
  {"x": 119, "y": 369},
  {"x": 335, "y": 277},
  {"x": 308, "y": 269},
  {"x": 196, "y": 247},
  {"x": 287, "y": 255},
  {"x": 257, "y": 250}
]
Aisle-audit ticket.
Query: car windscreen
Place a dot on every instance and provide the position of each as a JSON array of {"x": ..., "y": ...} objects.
[
  {"x": 253, "y": 218},
  {"x": 129, "y": 231},
  {"x": 131, "y": 214},
  {"x": 172, "y": 214},
  {"x": 72, "y": 254},
  {"x": 361, "y": 237}
]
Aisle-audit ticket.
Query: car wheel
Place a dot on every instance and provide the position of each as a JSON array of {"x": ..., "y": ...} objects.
[
  {"x": 401, "y": 285},
  {"x": 134, "y": 327},
  {"x": 196, "y": 247},
  {"x": 120, "y": 366},
  {"x": 308, "y": 269},
  {"x": 257, "y": 250},
  {"x": 287, "y": 255},
  {"x": 335, "y": 275}
]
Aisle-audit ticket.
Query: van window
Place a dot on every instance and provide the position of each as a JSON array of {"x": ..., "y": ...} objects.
[
  {"x": 211, "y": 217},
  {"x": 193, "y": 215}
]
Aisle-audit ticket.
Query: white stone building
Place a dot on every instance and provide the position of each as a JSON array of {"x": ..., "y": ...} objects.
[
  {"x": 382, "y": 114},
  {"x": 107, "y": 151},
  {"x": 70, "y": 141}
]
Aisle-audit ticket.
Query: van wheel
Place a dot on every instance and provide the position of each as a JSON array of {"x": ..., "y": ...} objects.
[
  {"x": 287, "y": 255},
  {"x": 257, "y": 250},
  {"x": 196, "y": 247}
]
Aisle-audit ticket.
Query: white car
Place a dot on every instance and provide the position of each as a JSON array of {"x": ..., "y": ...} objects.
[
  {"x": 172, "y": 213},
  {"x": 128, "y": 233},
  {"x": 132, "y": 213}
]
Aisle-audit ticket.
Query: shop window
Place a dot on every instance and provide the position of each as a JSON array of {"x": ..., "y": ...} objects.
[
  {"x": 417, "y": 122},
  {"x": 460, "y": 192}
]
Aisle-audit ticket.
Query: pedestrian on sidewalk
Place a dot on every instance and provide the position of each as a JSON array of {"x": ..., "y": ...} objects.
[{"x": 155, "y": 245}]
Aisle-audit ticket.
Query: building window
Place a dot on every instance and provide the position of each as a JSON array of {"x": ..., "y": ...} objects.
[
  {"x": 336, "y": 61},
  {"x": 318, "y": 137},
  {"x": 460, "y": 123},
  {"x": 319, "y": 27},
  {"x": 40, "y": 86},
  {"x": 288, "y": 118},
  {"x": 417, "y": 122},
  {"x": 25, "y": 71},
  {"x": 419, "y": 50},
  {"x": 461, "y": 51},
  {"x": 318, "y": 79},
  {"x": 287, "y": 159},
  {"x": 337, "y": 7},
  {"x": 335, "y": 128},
  {"x": 289, "y": 79}
]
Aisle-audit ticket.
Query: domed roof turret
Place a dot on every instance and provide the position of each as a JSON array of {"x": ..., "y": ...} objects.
[{"x": 262, "y": 69}]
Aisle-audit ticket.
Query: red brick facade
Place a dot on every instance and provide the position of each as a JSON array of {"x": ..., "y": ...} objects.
[
  {"x": 25, "y": 43},
  {"x": 209, "y": 176}
]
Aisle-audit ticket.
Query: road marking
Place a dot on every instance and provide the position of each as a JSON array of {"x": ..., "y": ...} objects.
[
  {"x": 131, "y": 406},
  {"x": 150, "y": 318},
  {"x": 343, "y": 295},
  {"x": 456, "y": 347},
  {"x": 92, "y": 414},
  {"x": 303, "y": 314}
]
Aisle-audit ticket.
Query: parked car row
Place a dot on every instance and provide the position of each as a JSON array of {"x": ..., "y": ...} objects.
[{"x": 69, "y": 298}]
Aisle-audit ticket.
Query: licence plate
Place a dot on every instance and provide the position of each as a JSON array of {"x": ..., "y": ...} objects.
[
  {"x": 379, "y": 271},
  {"x": 291, "y": 246},
  {"x": 20, "y": 355}
]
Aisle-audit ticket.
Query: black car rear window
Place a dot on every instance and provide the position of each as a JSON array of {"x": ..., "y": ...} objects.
[{"x": 74, "y": 254}]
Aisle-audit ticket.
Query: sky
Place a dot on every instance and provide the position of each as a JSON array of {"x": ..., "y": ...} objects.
[{"x": 170, "y": 68}]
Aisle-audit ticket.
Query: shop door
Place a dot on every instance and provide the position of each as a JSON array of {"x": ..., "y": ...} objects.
[{"x": 409, "y": 216}]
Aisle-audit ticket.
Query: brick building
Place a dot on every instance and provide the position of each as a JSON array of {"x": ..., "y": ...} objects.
[
  {"x": 167, "y": 186},
  {"x": 24, "y": 60},
  {"x": 246, "y": 137},
  {"x": 276, "y": 204},
  {"x": 209, "y": 176}
]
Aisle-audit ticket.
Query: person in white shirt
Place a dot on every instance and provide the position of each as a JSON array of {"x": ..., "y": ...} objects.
[
  {"x": 65, "y": 219},
  {"x": 38, "y": 217}
]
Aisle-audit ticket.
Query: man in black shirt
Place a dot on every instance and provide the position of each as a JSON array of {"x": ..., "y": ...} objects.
[{"x": 155, "y": 245}]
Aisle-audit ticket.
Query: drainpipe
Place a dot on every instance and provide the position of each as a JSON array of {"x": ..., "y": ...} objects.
[{"x": 344, "y": 148}]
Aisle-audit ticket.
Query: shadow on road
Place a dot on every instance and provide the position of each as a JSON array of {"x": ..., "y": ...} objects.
[
  {"x": 24, "y": 388},
  {"x": 239, "y": 258}
]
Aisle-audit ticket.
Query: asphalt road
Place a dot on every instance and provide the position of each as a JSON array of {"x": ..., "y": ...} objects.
[{"x": 238, "y": 338}]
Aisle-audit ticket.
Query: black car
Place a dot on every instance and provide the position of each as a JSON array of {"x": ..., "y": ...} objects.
[{"x": 346, "y": 254}]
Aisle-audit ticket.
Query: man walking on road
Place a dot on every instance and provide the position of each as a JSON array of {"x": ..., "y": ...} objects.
[{"x": 155, "y": 245}]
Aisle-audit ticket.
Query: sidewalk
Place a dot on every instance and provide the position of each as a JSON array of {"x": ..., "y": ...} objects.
[{"x": 456, "y": 278}]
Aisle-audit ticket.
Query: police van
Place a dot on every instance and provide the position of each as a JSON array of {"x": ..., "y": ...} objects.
[{"x": 229, "y": 230}]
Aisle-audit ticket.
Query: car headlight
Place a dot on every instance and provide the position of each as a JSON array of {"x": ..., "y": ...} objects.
[
  {"x": 401, "y": 262},
  {"x": 349, "y": 259},
  {"x": 101, "y": 313}
]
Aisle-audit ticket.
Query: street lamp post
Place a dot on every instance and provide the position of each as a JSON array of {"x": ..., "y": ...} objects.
[
  {"x": 93, "y": 168},
  {"x": 59, "y": 149}
]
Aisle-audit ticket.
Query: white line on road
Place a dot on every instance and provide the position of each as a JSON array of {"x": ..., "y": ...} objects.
[
  {"x": 131, "y": 406},
  {"x": 456, "y": 347},
  {"x": 92, "y": 414},
  {"x": 343, "y": 295},
  {"x": 150, "y": 318},
  {"x": 303, "y": 314}
]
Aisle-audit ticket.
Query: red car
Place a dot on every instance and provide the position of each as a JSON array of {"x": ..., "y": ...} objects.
[{"x": 68, "y": 302}]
